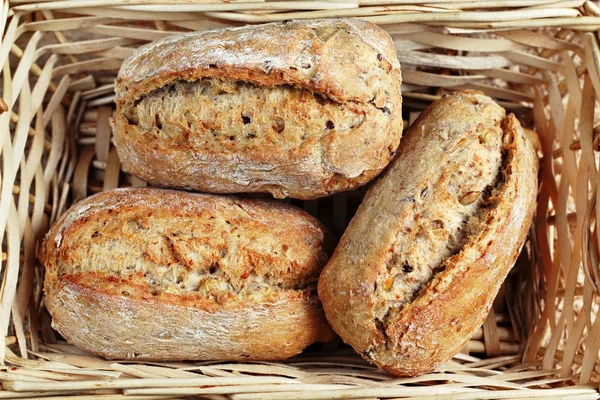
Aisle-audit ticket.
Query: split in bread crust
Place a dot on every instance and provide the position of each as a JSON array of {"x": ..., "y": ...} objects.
[
  {"x": 416, "y": 272},
  {"x": 164, "y": 275},
  {"x": 301, "y": 109}
]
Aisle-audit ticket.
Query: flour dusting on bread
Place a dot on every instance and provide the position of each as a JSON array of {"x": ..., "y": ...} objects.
[
  {"x": 417, "y": 269},
  {"x": 300, "y": 109},
  {"x": 136, "y": 263}
]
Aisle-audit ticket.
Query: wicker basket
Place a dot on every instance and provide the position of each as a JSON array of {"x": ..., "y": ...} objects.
[{"x": 539, "y": 58}]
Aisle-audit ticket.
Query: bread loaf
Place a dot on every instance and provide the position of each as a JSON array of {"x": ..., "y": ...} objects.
[
  {"x": 163, "y": 275},
  {"x": 301, "y": 109},
  {"x": 416, "y": 272}
]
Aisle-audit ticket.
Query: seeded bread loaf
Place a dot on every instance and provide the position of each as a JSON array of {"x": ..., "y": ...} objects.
[
  {"x": 416, "y": 272},
  {"x": 301, "y": 109},
  {"x": 163, "y": 275}
]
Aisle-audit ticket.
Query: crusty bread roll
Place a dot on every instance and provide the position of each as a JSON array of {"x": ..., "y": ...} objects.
[
  {"x": 163, "y": 275},
  {"x": 301, "y": 109},
  {"x": 416, "y": 272}
]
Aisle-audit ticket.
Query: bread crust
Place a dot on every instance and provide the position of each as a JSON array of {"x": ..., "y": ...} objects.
[
  {"x": 158, "y": 274},
  {"x": 409, "y": 327},
  {"x": 349, "y": 66}
]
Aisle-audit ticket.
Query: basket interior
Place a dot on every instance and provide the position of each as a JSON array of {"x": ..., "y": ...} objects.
[{"x": 538, "y": 59}]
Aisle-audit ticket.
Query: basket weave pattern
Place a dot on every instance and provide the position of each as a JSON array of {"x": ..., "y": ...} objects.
[{"x": 540, "y": 59}]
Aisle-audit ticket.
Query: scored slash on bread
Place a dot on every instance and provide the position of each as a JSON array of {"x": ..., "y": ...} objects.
[
  {"x": 158, "y": 274},
  {"x": 415, "y": 273},
  {"x": 298, "y": 109}
]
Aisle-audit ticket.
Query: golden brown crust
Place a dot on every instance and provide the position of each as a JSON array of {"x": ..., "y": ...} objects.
[
  {"x": 241, "y": 53},
  {"x": 164, "y": 275},
  {"x": 473, "y": 229},
  {"x": 297, "y": 74},
  {"x": 148, "y": 328}
]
